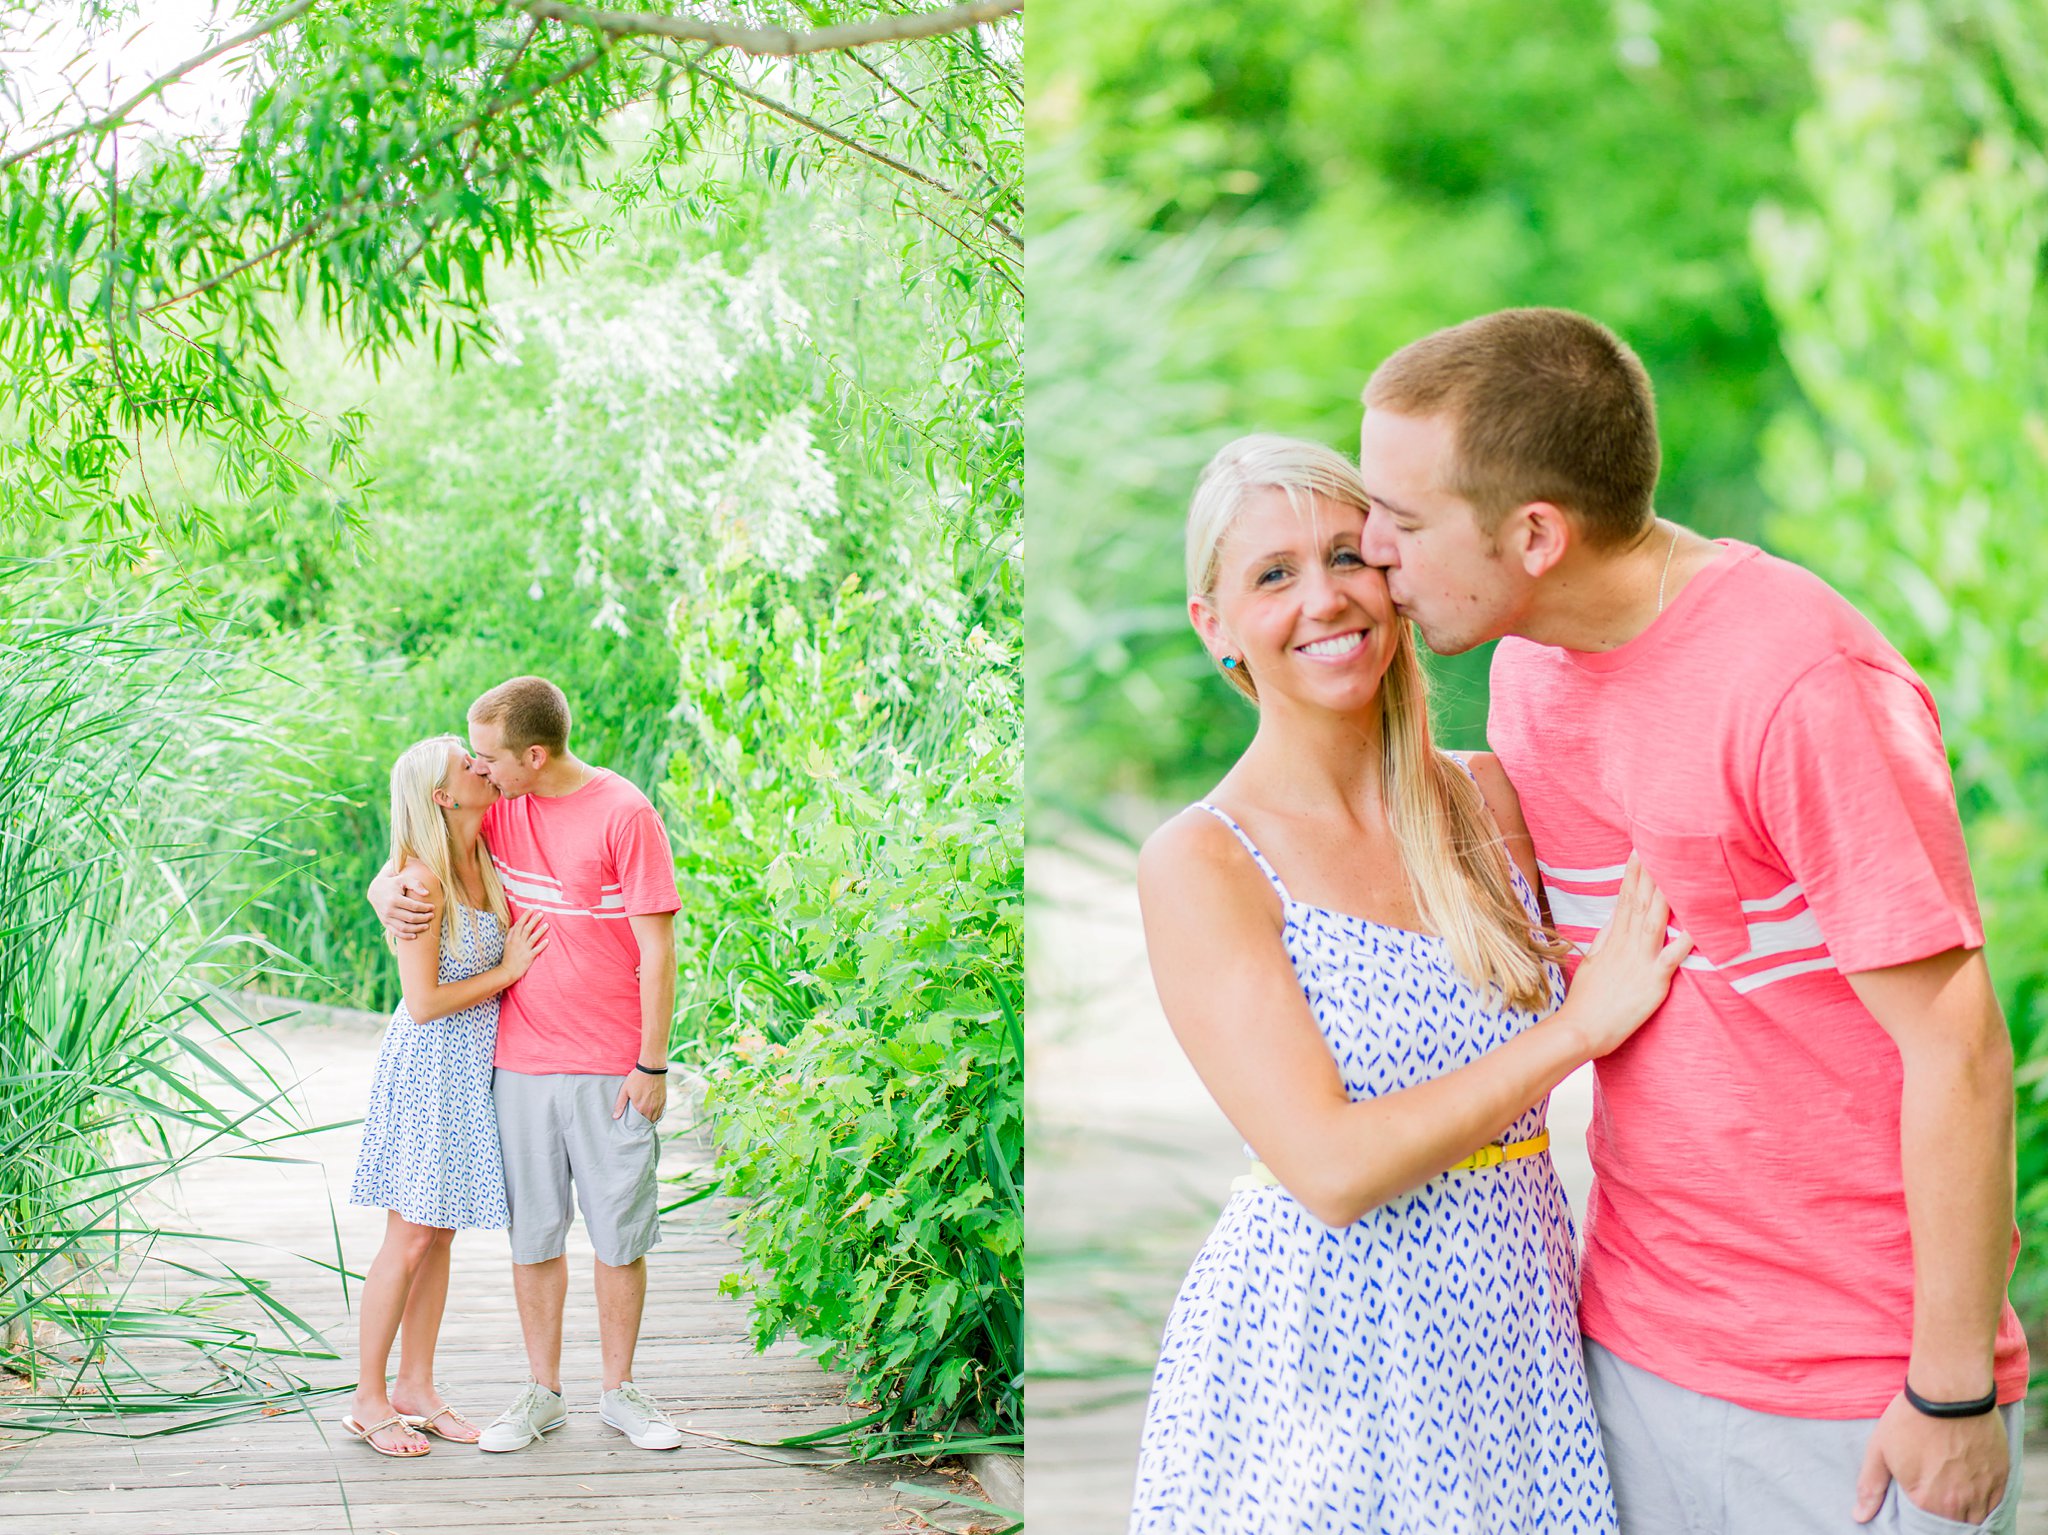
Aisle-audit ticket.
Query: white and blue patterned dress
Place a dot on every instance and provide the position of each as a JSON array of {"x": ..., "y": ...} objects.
[
  {"x": 1417, "y": 1372},
  {"x": 430, "y": 1137}
]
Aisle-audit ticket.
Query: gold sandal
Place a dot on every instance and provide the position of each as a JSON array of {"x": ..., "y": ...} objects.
[
  {"x": 426, "y": 1425},
  {"x": 397, "y": 1419}
]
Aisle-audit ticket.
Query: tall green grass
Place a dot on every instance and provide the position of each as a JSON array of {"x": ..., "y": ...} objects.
[{"x": 135, "y": 764}]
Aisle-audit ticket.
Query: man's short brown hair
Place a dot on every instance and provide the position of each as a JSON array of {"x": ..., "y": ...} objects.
[
  {"x": 1547, "y": 405},
  {"x": 531, "y": 711}
]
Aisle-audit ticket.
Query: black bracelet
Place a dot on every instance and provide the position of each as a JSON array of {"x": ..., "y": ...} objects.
[
  {"x": 1988, "y": 1402},
  {"x": 652, "y": 1071}
]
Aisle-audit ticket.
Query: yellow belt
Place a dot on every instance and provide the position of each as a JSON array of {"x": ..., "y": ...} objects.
[{"x": 1261, "y": 1176}]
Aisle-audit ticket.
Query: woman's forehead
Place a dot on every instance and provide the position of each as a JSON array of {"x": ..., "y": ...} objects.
[{"x": 1272, "y": 517}]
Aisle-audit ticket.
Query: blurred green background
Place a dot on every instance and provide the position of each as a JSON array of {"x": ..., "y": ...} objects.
[{"x": 1821, "y": 222}]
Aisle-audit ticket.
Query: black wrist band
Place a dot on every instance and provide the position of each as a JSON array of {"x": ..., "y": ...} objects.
[
  {"x": 1988, "y": 1402},
  {"x": 652, "y": 1071}
]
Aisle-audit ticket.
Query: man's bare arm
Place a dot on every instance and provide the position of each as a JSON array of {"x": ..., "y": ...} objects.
[
  {"x": 401, "y": 904},
  {"x": 1956, "y": 1148},
  {"x": 656, "y": 935}
]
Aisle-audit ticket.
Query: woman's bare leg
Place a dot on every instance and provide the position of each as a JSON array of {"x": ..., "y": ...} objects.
[
  {"x": 387, "y": 1292},
  {"x": 414, "y": 1391}
]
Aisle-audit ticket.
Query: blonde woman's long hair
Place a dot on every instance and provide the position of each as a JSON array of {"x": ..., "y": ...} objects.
[
  {"x": 1456, "y": 861},
  {"x": 419, "y": 831}
]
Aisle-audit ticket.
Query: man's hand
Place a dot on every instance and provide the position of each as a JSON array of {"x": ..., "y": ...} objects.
[
  {"x": 1954, "y": 1468},
  {"x": 400, "y": 905},
  {"x": 1956, "y": 1155},
  {"x": 648, "y": 1094}
]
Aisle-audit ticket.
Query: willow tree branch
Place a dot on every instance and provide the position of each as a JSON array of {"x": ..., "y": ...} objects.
[
  {"x": 161, "y": 83},
  {"x": 367, "y": 189},
  {"x": 999, "y": 265},
  {"x": 470, "y": 149},
  {"x": 518, "y": 53},
  {"x": 916, "y": 106},
  {"x": 780, "y": 42},
  {"x": 880, "y": 157}
]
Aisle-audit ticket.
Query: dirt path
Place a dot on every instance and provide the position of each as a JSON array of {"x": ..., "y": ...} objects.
[
  {"x": 1127, "y": 1164},
  {"x": 298, "y": 1472}
]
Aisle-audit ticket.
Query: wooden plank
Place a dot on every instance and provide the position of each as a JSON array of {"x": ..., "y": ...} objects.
[
  {"x": 297, "y": 1471},
  {"x": 585, "y": 1517},
  {"x": 704, "y": 1463},
  {"x": 130, "y": 1507},
  {"x": 402, "y": 1519}
]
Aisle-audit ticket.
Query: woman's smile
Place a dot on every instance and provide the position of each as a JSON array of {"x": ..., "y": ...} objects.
[{"x": 1335, "y": 647}]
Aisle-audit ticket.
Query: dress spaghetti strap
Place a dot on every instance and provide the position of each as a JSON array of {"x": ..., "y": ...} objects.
[{"x": 1258, "y": 857}]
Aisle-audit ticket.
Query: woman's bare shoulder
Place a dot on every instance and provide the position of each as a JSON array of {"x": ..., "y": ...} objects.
[
  {"x": 1498, "y": 792},
  {"x": 1506, "y": 807},
  {"x": 1194, "y": 853}
]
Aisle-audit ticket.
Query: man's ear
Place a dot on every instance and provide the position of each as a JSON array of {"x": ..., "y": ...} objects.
[{"x": 1536, "y": 535}]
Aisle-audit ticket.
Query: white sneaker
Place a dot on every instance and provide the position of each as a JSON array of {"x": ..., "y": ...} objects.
[
  {"x": 639, "y": 1417},
  {"x": 532, "y": 1413}
]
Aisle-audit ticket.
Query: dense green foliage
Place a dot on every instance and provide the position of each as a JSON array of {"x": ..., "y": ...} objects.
[
  {"x": 866, "y": 977},
  {"x": 493, "y": 343},
  {"x": 850, "y": 835},
  {"x": 1236, "y": 214}
]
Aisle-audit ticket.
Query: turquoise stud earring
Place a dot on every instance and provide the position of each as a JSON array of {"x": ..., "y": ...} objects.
[{"x": 1230, "y": 663}]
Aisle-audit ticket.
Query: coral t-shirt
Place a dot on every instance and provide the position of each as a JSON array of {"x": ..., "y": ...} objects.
[
  {"x": 1779, "y": 769},
  {"x": 589, "y": 860}
]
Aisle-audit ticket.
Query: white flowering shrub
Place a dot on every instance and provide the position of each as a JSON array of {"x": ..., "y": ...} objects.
[{"x": 670, "y": 449}]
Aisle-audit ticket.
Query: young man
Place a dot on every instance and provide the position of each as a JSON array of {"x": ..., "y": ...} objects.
[
  {"x": 1801, "y": 1221},
  {"x": 582, "y": 1042}
]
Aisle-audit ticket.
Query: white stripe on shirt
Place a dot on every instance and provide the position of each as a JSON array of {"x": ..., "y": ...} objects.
[
  {"x": 1787, "y": 935},
  {"x": 1582, "y": 876}
]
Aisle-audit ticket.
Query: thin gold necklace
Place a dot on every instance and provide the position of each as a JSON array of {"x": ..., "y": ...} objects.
[{"x": 1667, "y": 570}]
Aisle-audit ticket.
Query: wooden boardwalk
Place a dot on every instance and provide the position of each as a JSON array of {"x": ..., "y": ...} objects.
[{"x": 298, "y": 1472}]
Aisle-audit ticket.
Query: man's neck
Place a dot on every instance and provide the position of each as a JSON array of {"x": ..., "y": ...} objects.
[
  {"x": 563, "y": 775},
  {"x": 1600, "y": 599}
]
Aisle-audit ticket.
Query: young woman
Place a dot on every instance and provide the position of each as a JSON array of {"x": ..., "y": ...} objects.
[
  {"x": 429, "y": 1155},
  {"x": 1379, "y": 1334}
]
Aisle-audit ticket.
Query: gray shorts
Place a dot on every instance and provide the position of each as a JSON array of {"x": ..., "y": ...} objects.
[
  {"x": 1687, "y": 1464},
  {"x": 555, "y": 1131}
]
